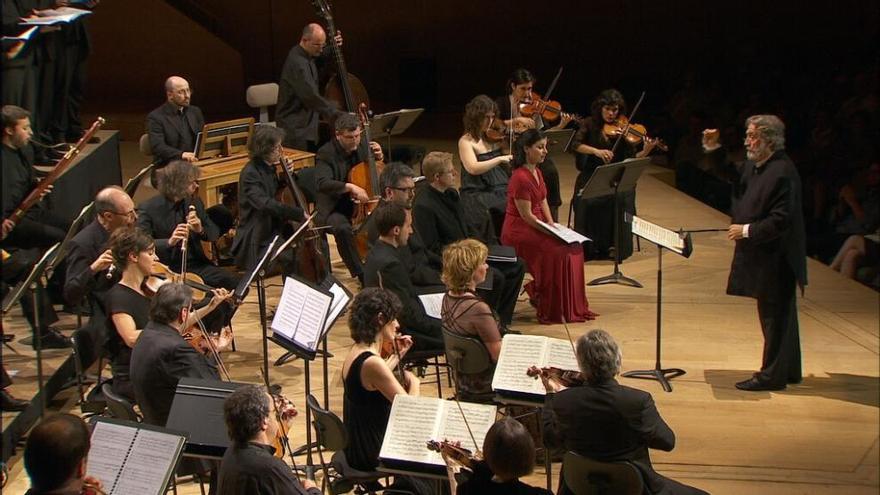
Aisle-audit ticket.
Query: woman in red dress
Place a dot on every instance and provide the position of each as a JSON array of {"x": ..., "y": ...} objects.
[{"x": 557, "y": 289}]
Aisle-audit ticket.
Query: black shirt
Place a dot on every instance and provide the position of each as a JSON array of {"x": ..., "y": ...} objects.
[
  {"x": 481, "y": 483},
  {"x": 253, "y": 469},
  {"x": 123, "y": 299}
]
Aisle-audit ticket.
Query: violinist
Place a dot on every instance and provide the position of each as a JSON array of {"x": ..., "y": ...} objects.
[
  {"x": 249, "y": 465},
  {"x": 519, "y": 94},
  {"x": 508, "y": 454},
  {"x": 592, "y": 148},
  {"x": 606, "y": 421},
  {"x": 484, "y": 166},
  {"x": 262, "y": 216},
  {"x": 55, "y": 457},
  {"x": 336, "y": 196}
]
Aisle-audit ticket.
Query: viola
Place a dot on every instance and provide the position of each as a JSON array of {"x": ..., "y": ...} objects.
[
  {"x": 454, "y": 451},
  {"x": 285, "y": 411},
  {"x": 567, "y": 378},
  {"x": 162, "y": 274},
  {"x": 634, "y": 133},
  {"x": 199, "y": 341}
]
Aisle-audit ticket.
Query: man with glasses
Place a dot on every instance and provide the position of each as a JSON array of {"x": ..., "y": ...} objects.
[
  {"x": 173, "y": 126},
  {"x": 300, "y": 103},
  {"x": 336, "y": 196}
]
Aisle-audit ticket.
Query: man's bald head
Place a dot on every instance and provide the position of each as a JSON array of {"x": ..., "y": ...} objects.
[
  {"x": 114, "y": 208},
  {"x": 177, "y": 91},
  {"x": 313, "y": 39}
]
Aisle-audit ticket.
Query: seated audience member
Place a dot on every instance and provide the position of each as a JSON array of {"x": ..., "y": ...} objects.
[
  {"x": 439, "y": 217},
  {"x": 857, "y": 252},
  {"x": 465, "y": 313},
  {"x": 385, "y": 267},
  {"x": 173, "y": 126},
  {"x": 606, "y": 421},
  {"x": 161, "y": 357},
  {"x": 370, "y": 383},
  {"x": 55, "y": 456},
  {"x": 249, "y": 464},
  {"x": 508, "y": 454}
]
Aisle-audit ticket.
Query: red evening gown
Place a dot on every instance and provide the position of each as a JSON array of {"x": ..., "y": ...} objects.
[{"x": 557, "y": 269}]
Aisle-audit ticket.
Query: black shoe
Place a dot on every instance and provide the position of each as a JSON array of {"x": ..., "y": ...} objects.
[
  {"x": 7, "y": 337},
  {"x": 10, "y": 403},
  {"x": 755, "y": 385},
  {"x": 53, "y": 340},
  {"x": 795, "y": 380}
]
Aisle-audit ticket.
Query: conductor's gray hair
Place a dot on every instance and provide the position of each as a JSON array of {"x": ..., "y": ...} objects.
[
  {"x": 771, "y": 128},
  {"x": 598, "y": 356}
]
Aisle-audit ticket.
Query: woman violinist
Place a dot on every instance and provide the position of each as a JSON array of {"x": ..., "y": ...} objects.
[
  {"x": 510, "y": 115},
  {"x": 592, "y": 147}
]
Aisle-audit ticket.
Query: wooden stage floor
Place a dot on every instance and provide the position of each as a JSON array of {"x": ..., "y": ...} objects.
[{"x": 819, "y": 437}]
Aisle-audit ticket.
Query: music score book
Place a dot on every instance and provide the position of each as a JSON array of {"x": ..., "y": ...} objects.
[
  {"x": 414, "y": 420},
  {"x": 301, "y": 316},
  {"x": 133, "y": 458},
  {"x": 661, "y": 236},
  {"x": 433, "y": 304},
  {"x": 518, "y": 353},
  {"x": 563, "y": 233}
]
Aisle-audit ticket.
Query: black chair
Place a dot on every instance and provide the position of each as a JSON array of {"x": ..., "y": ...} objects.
[
  {"x": 330, "y": 434},
  {"x": 308, "y": 183},
  {"x": 585, "y": 476},
  {"x": 118, "y": 406},
  {"x": 467, "y": 356},
  {"x": 421, "y": 360}
]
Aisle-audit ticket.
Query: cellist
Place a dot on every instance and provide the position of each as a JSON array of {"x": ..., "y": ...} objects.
[{"x": 336, "y": 196}]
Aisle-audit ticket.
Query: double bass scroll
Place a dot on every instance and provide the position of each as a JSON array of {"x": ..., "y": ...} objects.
[{"x": 344, "y": 88}]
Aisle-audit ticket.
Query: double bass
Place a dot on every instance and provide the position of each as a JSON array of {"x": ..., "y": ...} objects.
[{"x": 344, "y": 87}]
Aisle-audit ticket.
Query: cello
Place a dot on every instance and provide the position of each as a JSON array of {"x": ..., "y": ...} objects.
[
  {"x": 310, "y": 259},
  {"x": 365, "y": 175},
  {"x": 343, "y": 87}
]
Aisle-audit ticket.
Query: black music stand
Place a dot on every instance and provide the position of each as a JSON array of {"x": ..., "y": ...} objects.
[
  {"x": 34, "y": 281},
  {"x": 612, "y": 179},
  {"x": 208, "y": 438},
  {"x": 393, "y": 123},
  {"x": 677, "y": 243}
]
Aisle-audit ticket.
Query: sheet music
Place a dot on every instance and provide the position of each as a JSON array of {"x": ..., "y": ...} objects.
[
  {"x": 518, "y": 352},
  {"x": 338, "y": 304},
  {"x": 148, "y": 463},
  {"x": 55, "y": 16},
  {"x": 110, "y": 445},
  {"x": 24, "y": 36},
  {"x": 433, "y": 304},
  {"x": 563, "y": 233},
  {"x": 301, "y": 313},
  {"x": 560, "y": 355},
  {"x": 415, "y": 420},
  {"x": 657, "y": 234}
]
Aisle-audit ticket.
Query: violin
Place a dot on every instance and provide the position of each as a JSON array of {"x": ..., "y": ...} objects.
[
  {"x": 549, "y": 110},
  {"x": 199, "y": 342},
  {"x": 162, "y": 274},
  {"x": 567, "y": 378},
  {"x": 635, "y": 133},
  {"x": 285, "y": 411},
  {"x": 454, "y": 451}
]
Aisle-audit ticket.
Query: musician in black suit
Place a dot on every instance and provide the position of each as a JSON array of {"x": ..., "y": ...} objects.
[
  {"x": 336, "y": 195},
  {"x": 161, "y": 357},
  {"x": 606, "y": 421},
  {"x": 385, "y": 268},
  {"x": 770, "y": 255},
  {"x": 440, "y": 221},
  {"x": 300, "y": 103},
  {"x": 261, "y": 215},
  {"x": 173, "y": 126},
  {"x": 19, "y": 74}
]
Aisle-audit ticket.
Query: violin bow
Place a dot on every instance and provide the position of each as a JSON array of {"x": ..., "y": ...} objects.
[
  {"x": 570, "y": 340},
  {"x": 553, "y": 84},
  {"x": 626, "y": 129},
  {"x": 467, "y": 425}
]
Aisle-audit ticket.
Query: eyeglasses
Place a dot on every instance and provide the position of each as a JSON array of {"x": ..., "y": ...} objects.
[
  {"x": 407, "y": 190},
  {"x": 129, "y": 214}
]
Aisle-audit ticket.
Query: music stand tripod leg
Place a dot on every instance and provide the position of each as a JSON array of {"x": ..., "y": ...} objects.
[{"x": 617, "y": 277}]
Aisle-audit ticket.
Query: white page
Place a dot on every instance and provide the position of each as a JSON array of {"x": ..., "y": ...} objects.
[
  {"x": 657, "y": 234},
  {"x": 337, "y": 305},
  {"x": 413, "y": 421},
  {"x": 148, "y": 463},
  {"x": 480, "y": 417},
  {"x": 110, "y": 446},
  {"x": 433, "y": 304},
  {"x": 24, "y": 36},
  {"x": 563, "y": 233},
  {"x": 560, "y": 355},
  {"x": 301, "y": 313},
  {"x": 518, "y": 353}
]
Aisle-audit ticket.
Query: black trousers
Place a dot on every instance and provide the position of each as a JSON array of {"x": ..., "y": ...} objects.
[
  {"x": 340, "y": 227},
  {"x": 781, "y": 363},
  {"x": 506, "y": 284},
  {"x": 16, "y": 269}
]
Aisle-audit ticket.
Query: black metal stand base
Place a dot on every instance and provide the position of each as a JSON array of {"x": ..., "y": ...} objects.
[
  {"x": 289, "y": 356},
  {"x": 616, "y": 278},
  {"x": 658, "y": 374}
]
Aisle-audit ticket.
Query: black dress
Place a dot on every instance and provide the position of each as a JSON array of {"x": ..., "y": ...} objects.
[
  {"x": 123, "y": 299},
  {"x": 485, "y": 192},
  {"x": 365, "y": 414},
  {"x": 480, "y": 482}
]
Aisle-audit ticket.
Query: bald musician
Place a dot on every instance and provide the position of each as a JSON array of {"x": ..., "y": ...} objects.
[{"x": 173, "y": 126}]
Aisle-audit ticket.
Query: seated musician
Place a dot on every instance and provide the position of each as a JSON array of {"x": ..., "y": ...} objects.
[
  {"x": 508, "y": 454},
  {"x": 161, "y": 356},
  {"x": 465, "y": 313},
  {"x": 385, "y": 267},
  {"x": 439, "y": 216},
  {"x": 55, "y": 457},
  {"x": 606, "y": 421},
  {"x": 249, "y": 464},
  {"x": 336, "y": 195},
  {"x": 173, "y": 126},
  {"x": 371, "y": 382},
  {"x": 261, "y": 215}
]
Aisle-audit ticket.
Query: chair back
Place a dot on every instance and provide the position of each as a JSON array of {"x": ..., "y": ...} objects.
[
  {"x": 585, "y": 476},
  {"x": 119, "y": 406},
  {"x": 308, "y": 183},
  {"x": 144, "y": 145},
  {"x": 262, "y": 96},
  {"x": 466, "y": 355},
  {"x": 84, "y": 349},
  {"x": 329, "y": 428}
]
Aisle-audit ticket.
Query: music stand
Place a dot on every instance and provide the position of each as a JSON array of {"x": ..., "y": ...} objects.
[
  {"x": 225, "y": 138},
  {"x": 559, "y": 136},
  {"x": 613, "y": 179},
  {"x": 678, "y": 243},
  {"x": 393, "y": 123},
  {"x": 65, "y": 244},
  {"x": 33, "y": 282}
]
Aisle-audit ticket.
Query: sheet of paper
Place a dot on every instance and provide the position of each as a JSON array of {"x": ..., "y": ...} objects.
[
  {"x": 657, "y": 234},
  {"x": 560, "y": 355},
  {"x": 433, "y": 304},
  {"x": 518, "y": 353},
  {"x": 413, "y": 421},
  {"x": 301, "y": 313},
  {"x": 563, "y": 233},
  {"x": 480, "y": 417},
  {"x": 337, "y": 306},
  {"x": 148, "y": 463},
  {"x": 110, "y": 446},
  {"x": 24, "y": 36}
]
